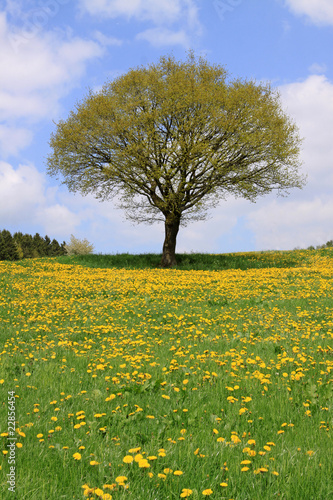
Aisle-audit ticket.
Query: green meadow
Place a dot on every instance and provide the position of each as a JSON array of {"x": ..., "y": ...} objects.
[{"x": 122, "y": 380}]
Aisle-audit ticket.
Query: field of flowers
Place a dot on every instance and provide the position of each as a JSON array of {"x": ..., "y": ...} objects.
[{"x": 162, "y": 384}]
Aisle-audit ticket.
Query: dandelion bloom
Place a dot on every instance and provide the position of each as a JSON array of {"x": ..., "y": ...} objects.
[
  {"x": 144, "y": 464},
  {"x": 186, "y": 493},
  {"x": 121, "y": 479},
  {"x": 77, "y": 456},
  {"x": 224, "y": 485},
  {"x": 207, "y": 492},
  {"x": 177, "y": 473},
  {"x": 134, "y": 450},
  {"x": 109, "y": 486},
  {"x": 88, "y": 491},
  {"x": 128, "y": 459}
]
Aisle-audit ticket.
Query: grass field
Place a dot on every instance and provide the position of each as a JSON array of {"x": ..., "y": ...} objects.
[{"x": 125, "y": 381}]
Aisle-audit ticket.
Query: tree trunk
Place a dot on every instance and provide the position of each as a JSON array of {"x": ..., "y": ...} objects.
[{"x": 169, "y": 246}]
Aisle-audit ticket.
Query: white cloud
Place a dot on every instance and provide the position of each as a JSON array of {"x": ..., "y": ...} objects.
[
  {"x": 318, "y": 68},
  {"x": 21, "y": 190},
  {"x": 107, "y": 40},
  {"x": 24, "y": 200},
  {"x": 57, "y": 220},
  {"x": 171, "y": 12},
  {"x": 305, "y": 217},
  {"x": 159, "y": 37},
  {"x": 319, "y": 11},
  {"x": 286, "y": 225},
  {"x": 311, "y": 104},
  {"x": 12, "y": 139},
  {"x": 40, "y": 69},
  {"x": 142, "y": 10}
]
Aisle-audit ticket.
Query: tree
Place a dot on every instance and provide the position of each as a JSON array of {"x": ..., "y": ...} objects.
[
  {"x": 174, "y": 138},
  {"x": 8, "y": 249}
]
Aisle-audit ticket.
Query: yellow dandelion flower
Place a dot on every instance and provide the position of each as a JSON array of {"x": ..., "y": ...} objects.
[
  {"x": 134, "y": 450},
  {"x": 98, "y": 492},
  {"x": 207, "y": 492},
  {"x": 177, "y": 473},
  {"x": 186, "y": 493},
  {"x": 109, "y": 486},
  {"x": 128, "y": 459},
  {"x": 144, "y": 464},
  {"x": 121, "y": 479},
  {"x": 77, "y": 456}
]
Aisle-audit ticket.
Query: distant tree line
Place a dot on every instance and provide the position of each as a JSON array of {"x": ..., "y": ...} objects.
[
  {"x": 23, "y": 246},
  {"x": 328, "y": 244}
]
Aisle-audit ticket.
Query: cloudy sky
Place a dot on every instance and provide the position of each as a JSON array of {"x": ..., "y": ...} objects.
[{"x": 53, "y": 51}]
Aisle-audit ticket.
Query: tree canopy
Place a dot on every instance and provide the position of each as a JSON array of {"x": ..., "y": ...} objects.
[{"x": 171, "y": 139}]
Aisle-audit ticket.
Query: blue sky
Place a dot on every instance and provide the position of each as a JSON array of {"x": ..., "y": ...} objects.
[{"x": 53, "y": 51}]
